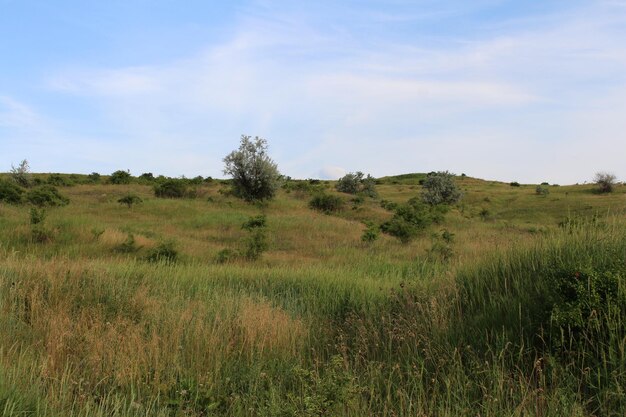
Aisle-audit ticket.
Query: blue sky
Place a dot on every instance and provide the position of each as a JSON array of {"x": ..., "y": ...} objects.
[{"x": 511, "y": 90}]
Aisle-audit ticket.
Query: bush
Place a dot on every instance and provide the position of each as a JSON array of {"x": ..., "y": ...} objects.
[
  {"x": 440, "y": 188},
  {"x": 540, "y": 190},
  {"x": 174, "y": 188},
  {"x": 357, "y": 182},
  {"x": 515, "y": 184},
  {"x": 605, "y": 182},
  {"x": 164, "y": 252},
  {"x": 254, "y": 175},
  {"x": 257, "y": 241},
  {"x": 411, "y": 218},
  {"x": 10, "y": 192},
  {"x": 326, "y": 203},
  {"x": 37, "y": 216},
  {"x": 120, "y": 177},
  {"x": 225, "y": 255},
  {"x": 21, "y": 174},
  {"x": 130, "y": 199},
  {"x": 46, "y": 195},
  {"x": 371, "y": 233},
  {"x": 128, "y": 246},
  {"x": 94, "y": 178},
  {"x": 58, "y": 180}
]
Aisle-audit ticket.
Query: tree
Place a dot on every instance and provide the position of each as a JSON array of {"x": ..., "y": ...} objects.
[
  {"x": 604, "y": 181},
  {"x": 255, "y": 176},
  {"x": 440, "y": 188},
  {"x": 120, "y": 177},
  {"x": 21, "y": 173}
]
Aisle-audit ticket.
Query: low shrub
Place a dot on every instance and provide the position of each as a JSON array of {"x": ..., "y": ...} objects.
[
  {"x": 606, "y": 182},
  {"x": 413, "y": 217},
  {"x": 164, "y": 252},
  {"x": 256, "y": 243},
  {"x": 326, "y": 203},
  {"x": 357, "y": 183},
  {"x": 46, "y": 196},
  {"x": 515, "y": 184},
  {"x": 10, "y": 192},
  {"x": 371, "y": 233},
  {"x": 225, "y": 255},
  {"x": 174, "y": 188},
  {"x": 130, "y": 199},
  {"x": 59, "y": 180},
  {"x": 120, "y": 177},
  {"x": 128, "y": 246},
  {"x": 542, "y": 190},
  {"x": 440, "y": 188}
]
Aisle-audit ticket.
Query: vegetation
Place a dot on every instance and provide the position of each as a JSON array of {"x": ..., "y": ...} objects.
[
  {"x": 440, "y": 188},
  {"x": 606, "y": 182},
  {"x": 254, "y": 175},
  {"x": 21, "y": 174},
  {"x": 130, "y": 200},
  {"x": 326, "y": 203},
  {"x": 174, "y": 188},
  {"x": 357, "y": 183},
  {"x": 10, "y": 192},
  {"x": 120, "y": 177},
  {"x": 46, "y": 195},
  {"x": 182, "y": 307}
]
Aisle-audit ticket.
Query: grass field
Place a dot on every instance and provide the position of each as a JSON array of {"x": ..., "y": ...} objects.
[{"x": 519, "y": 312}]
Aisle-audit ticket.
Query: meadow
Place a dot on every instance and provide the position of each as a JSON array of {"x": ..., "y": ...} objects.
[{"x": 513, "y": 305}]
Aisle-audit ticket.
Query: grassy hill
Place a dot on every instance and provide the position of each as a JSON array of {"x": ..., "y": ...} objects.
[{"x": 512, "y": 305}]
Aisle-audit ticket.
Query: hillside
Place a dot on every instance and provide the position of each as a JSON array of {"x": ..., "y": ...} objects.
[{"x": 322, "y": 323}]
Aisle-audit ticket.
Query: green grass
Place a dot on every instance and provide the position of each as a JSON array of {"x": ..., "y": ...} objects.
[{"x": 323, "y": 324}]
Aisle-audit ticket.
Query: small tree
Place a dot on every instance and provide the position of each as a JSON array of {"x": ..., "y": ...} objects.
[
  {"x": 440, "y": 188},
  {"x": 21, "y": 173},
  {"x": 255, "y": 175},
  {"x": 604, "y": 181}
]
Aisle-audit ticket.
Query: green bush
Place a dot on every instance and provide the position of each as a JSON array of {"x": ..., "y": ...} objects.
[
  {"x": 10, "y": 192},
  {"x": 130, "y": 199},
  {"x": 256, "y": 243},
  {"x": 326, "y": 203},
  {"x": 370, "y": 234},
  {"x": 120, "y": 177},
  {"x": 37, "y": 216},
  {"x": 94, "y": 178},
  {"x": 515, "y": 184},
  {"x": 440, "y": 188},
  {"x": 413, "y": 217},
  {"x": 59, "y": 180},
  {"x": 174, "y": 188},
  {"x": 542, "y": 190},
  {"x": 164, "y": 252},
  {"x": 46, "y": 196},
  {"x": 606, "y": 182},
  {"x": 357, "y": 183}
]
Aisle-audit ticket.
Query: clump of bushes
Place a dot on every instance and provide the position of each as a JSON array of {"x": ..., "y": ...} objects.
[
  {"x": 413, "y": 217},
  {"x": 606, "y": 182},
  {"x": 120, "y": 177},
  {"x": 174, "y": 188},
  {"x": 515, "y": 184},
  {"x": 10, "y": 192},
  {"x": 130, "y": 200},
  {"x": 94, "y": 178},
  {"x": 357, "y": 183},
  {"x": 256, "y": 243},
  {"x": 59, "y": 180},
  {"x": 440, "y": 188},
  {"x": 46, "y": 196},
  {"x": 542, "y": 190},
  {"x": 326, "y": 203},
  {"x": 165, "y": 252}
]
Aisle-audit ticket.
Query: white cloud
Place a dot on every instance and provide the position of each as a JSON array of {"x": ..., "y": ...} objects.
[{"x": 331, "y": 173}]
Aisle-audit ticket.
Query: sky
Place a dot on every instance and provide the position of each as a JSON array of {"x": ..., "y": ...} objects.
[{"x": 523, "y": 90}]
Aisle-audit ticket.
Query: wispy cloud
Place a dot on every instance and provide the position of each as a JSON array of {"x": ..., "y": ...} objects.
[{"x": 328, "y": 94}]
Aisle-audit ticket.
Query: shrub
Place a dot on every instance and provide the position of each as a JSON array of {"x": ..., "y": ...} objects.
[
  {"x": 164, "y": 252},
  {"x": 326, "y": 203},
  {"x": 58, "y": 180},
  {"x": 440, "y": 188},
  {"x": 21, "y": 174},
  {"x": 225, "y": 255},
  {"x": 254, "y": 175},
  {"x": 130, "y": 199},
  {"x": 540, "y": 190},
  {"x": 357, "y": 182},
  {"x": 37, "y": 216},
  {"x": 94, "y": 177},
  {"x": 388, "y": 205},
  {"x": 46, "y": 195},
  {"x": 256, "y": 243},
  {"x": 120, "y": 177},
  {"x": 174, "y": 188},
  {"x": 10, "y": 192},
  {"x": 128, "y": 246},
  {"x": 605, "y": 182},
  {"x": 411, "y": 218},
  {"x": 371, "y": 233},
  {"x": 515, "y": 184}
]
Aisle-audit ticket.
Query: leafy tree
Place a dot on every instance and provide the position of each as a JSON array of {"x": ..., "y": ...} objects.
[
  {"x": 604, "y": 181},
  {"x": 254, "y": 175},
  {"x": 21, "y": 173},
  {"x": 120, "y": 177},
  {"x": 440, "y": 188}
]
